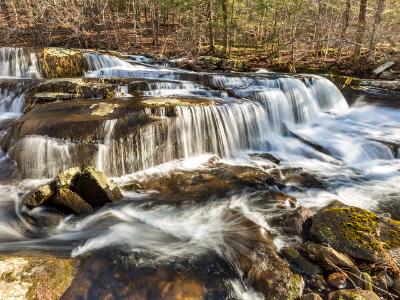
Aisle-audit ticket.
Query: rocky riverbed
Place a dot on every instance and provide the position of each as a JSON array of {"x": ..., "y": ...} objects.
[{"x": 124, "y": 177}]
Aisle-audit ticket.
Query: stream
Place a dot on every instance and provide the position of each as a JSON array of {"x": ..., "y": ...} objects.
[{"x": 303, "y": 121}]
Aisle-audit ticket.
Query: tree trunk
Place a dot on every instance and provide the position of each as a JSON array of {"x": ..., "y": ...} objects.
[
  {"x": 375, "y": 28},
  {"x": 225, "y": 42},
  {"x": 211, "y": 35},
  {"x": 360, "y": 29},
  {"x": 4, "y": 11},
  {"x": 345, "y": 26}
]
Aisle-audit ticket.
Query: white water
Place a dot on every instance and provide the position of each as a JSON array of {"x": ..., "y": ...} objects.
[
  {"x": 304, "y": 122},
  {"x": 18, "y": 63}
]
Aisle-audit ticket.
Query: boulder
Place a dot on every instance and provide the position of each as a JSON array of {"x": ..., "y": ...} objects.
[
  {"x": 62, "y": 63},
  {"x": 75, "y": 191},
  {"x": 358, "y": 233},
  {"x": 353, "y": 295},
  {"x": 297, "y": 221},
  {"x": 35, "y": 277},
  {"x": 95, "y": 188},
  {"x": 326, "y": 256},
  {"x": 66, "y": 200}
]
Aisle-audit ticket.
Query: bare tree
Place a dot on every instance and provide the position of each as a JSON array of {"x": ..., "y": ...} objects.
[{"x": 375, "y": 28}]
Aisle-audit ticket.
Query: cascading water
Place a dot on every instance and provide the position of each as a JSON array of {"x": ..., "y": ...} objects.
[
  {"x": 304, "y": 121},
  {"x": 18, "y": 63}
]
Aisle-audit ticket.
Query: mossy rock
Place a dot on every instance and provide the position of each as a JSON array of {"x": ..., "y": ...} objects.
[
  {"x": 62, "y": 63},
  {"x": 35, "y": 277},
  {"x": 357, "y": 232}
]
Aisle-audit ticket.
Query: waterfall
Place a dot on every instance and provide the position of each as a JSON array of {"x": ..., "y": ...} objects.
[
  {"x": 18, "y": 63},
  {"x": 254, "y": 113},
  {"x": 11, "y": 101},
  {"x": 222, "y": 129}
]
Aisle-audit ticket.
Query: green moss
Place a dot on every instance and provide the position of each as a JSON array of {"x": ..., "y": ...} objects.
[{"x": 363, "y": 227}]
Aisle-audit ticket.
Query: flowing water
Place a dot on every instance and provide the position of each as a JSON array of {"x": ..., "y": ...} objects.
[{"x": 303, "y": 120}]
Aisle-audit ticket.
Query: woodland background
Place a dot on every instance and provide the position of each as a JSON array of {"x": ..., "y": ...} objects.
[{"x": 346, "y": 34}]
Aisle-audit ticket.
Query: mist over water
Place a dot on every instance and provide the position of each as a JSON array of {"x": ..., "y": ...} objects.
[{"x": 304, "y": 122}]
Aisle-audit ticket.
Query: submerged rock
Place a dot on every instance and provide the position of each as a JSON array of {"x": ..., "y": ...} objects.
[
  {"x": 257, "y": 257},
  {"x": 358, "y": 233},
  {"x": 35, "y": 277},
  {"x": 75, "y": 191},
  {"x": 217, "y": 179}
]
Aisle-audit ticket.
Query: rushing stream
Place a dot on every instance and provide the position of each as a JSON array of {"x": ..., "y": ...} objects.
[{"x": 303, "y": 121}]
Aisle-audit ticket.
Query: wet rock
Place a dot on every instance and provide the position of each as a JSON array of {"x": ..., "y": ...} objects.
[
  {"x": 357, "y": 232},
  {"x": 337, "y": 280},
  {"x": 75, "y": 191},
  {"x": 62, "y": 63},
  {"x": 38, "y": 197},
  {"x": 52, "y": 90},
  {"x": 65, "y": 178},
  {"x": 105, "y": 278},
  {"x": 317, "y": 283},
  {"x": 298, "y": 176},
  {"x": 311, "y": 296},
  {"x": 257, "y": 257},
  {"x": 267, "y": 156},
  {"x": 299, "y": 262},
  {"x": 95, "y": 188},
  {"x": 34, "y": 277},
  {"x": 326, "y": 256},
  {"x": 66, "y": 200},
  {"x": 218, "y": 178},
  {"x": 353, "y": 295},
  {"x": 297, "y": 221}
]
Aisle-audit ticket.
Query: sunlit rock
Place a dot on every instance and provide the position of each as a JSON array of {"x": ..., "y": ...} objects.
[
  {"x": 75, "y": 191},
  {"x": 358, "y": 233},
  {"x": 95, "y": 188},
  {"x": 35, "y": 277},
  {"x": 62, "y": 63}
]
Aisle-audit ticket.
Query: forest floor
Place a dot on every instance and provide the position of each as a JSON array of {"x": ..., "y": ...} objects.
[{"x": 125, "y": 40}]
